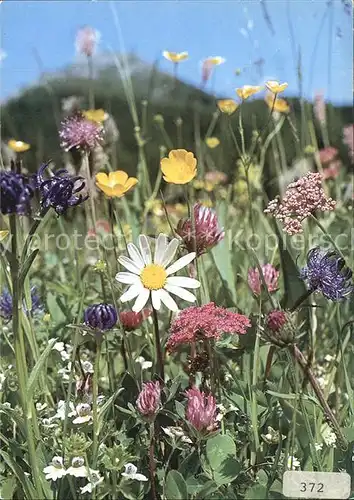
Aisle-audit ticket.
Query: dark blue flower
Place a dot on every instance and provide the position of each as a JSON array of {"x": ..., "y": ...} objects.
[
  {"x": 326, "y": 272},
  {"x": 60, "y": 190},
  {"x": 16, "y": 193},
  {"x": 101, "y": 316},
  {"x": 6, "y": 303}
]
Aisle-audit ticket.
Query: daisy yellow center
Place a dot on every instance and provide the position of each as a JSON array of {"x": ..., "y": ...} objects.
[{"x": 153, "y": 277}]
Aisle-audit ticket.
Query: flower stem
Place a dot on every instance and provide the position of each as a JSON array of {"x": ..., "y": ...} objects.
[
  {"x": 318, "y": 391},
  {"x": 159, "y": 356},
  {"x": 95, "y": 429},
  {"x": 318, "y": 223},
  {"x": 20, "y": 358},
  {"x": 152, "y": 460}
]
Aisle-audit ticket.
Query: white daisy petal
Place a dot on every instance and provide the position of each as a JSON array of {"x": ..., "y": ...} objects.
[
  {"x": 183, "y": 281},
  {"x": 140, "y": 302},
  {"x": 180, "y": 263},
  {"x": 181, "y": 292},
  {"x": 129, "y": 264},
  {"x": 170, "y": 252},
  {"x": 160, "y": 248},
  {"x": 135, "y": 255},
  {"x": 156, "y": 299},
  {"x": 145, "y": 249},
  {"x": 127, "y": 278},
  {"x": 168, "y": 300},
  {"x": 132, "y": 292}
]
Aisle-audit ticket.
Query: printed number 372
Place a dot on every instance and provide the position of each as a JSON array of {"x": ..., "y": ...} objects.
[{"x": 312, "y": 487}]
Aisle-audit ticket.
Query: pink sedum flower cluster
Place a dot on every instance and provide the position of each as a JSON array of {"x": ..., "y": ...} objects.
[
  {"x": 149, "y": 398},
  {"x": 207, "y": 321},
  {"x": 201, "y": 410},
  {"x": 302, "y": 198},
  {"x": 271, "y": 277}
]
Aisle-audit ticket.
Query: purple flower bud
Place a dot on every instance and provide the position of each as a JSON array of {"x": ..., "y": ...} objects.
[
  {"x": 101, "y": 316},
  {"x": 201, "y": 410},
  {"x": 327, "y": 273},
  {"x": 149, "y": 399},
  {"x": 207, "y": 230}
]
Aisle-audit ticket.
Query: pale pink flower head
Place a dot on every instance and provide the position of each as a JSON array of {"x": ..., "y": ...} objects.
[
  {"x": 301, "y": 199},
  {"x": 149, "y": 398},
  {"x": 201, "y": 410},
  {"x": 271, "y": 277},
  {"x": 319, "y": 107},
  {"x": 205, "y": 322},
  {"x": 333, "y": 169},
  {"x": 87, "y": 39},
  {"x": 348, "y": 139},
  {"x": 79, "y": 133},
  {"x": 216, "y": 177},
  {"x": 327, "y": 155},
  {"x": 207, "y": 231}
]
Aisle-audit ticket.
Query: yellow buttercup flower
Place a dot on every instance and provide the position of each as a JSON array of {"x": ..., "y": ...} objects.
[
  {"x": 95, "y": 115},
  {"x": 175, "y": 57},
  {"x": 212, "y": 142},
  {"x": 279, "y": 105},
  {"x": 18, "y": 146},
  {"x": 115, "y": 184},
  {"x": 247, "y": 90},
  {"x": 215, "y": 60},
  {"x": 227, "y": 106},
  {"x": 275, "y": 86},
  {"x": 180, "y": 167}
]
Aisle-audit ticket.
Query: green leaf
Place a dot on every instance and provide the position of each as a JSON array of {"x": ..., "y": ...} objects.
[
  {"x": 26, "y": 484},
  {"x": 180, "y": 409},
  {"x": 175, "y": 486},
  {"x": 258, "y": 491},
  {"x": 222, "y": 256},
  {"x": 8, "y": 488},
  {"x": 207, "y": 489},
  {"x": 26, "y": 266},
  {"x": 220, "y": 453},
  {"x": 37, "y": 368}
]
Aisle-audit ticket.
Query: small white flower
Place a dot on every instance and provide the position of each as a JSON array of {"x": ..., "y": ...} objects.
[
  {"x": 145, "y": 365},
  {"x": 41, "y": 406},
  {"x": 149, "y": 276},
  {"x": 95, "y": 480},
  {"x": 318, "y": 446},
  {"x": 78, "y": 468},
  {"x": 176, "y": 432},
  {"x": 2, "y": 380},
  {"x": 84, "y": 414},
  {"x": 61, "y": 410},
  {"x": 293, "y": 463},
  {"x": 87, "y": 366},
  {"x": 131, "y": 473},
  {"x": 56, "y": 470}
]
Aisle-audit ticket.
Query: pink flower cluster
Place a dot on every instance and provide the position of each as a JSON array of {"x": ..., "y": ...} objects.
[
  {"x": 87, "y": 39},
  {"x": 207, "y": 321},
  {"x": 271, "y": 277},
  {"x": 319, "y": 107},
  {"x": 302, "y": 198},
  {"x": 201, "y": 410},
  {"x": 326, "y": 155},
  {"x": 207, "y": 231},
  {"x": 77, "y": 132},
  {"x": 149, "y": 398}
]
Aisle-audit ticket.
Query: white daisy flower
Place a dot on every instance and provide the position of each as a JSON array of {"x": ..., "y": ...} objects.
[
  {"x": 131, "y": 473},
  {"x": 78, "y": 468},
  {"x": 149, "y": 276},
  {"x": 56, "y": 470}
]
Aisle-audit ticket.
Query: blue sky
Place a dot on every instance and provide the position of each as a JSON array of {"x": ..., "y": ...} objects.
[{"x": 234, "y": 29}]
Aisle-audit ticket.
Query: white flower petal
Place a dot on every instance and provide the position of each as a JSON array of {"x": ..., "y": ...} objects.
[
  {"x": 181, "y": 292},
  {"x": 160, "y": 248},
  {"x": 170, "y": 252},
  {"x": 183, "y": 281},
  {"x": 132, "y": 292},
  {"x": 130, "y": 265},
  {"x": 135, "y": 255},
  {"x": 156, "y": 299},
  {"x": 180, "y": 263},
  {"x": 168, "y": 300},
  {"x": 145, "y": 249},
  {"x": 127, "y": 278},
  {"x": 130, "y": 469},
  {"x": 139, "y": 477},
  {"x": 140, "y": 302}
]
